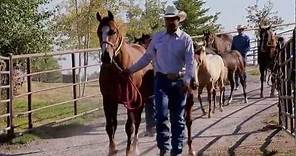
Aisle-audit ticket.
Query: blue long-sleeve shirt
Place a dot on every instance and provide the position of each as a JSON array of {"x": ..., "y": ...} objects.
[
  {"x": 169, "y": 53},
  {"x": 241, "y": 43}
]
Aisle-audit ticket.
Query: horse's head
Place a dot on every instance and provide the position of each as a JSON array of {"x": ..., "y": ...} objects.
[
  {"x": 199, "y": 53},
  {"x": 109, "y": 36},
  {"x": 208, "y": 38},
  {"x": 267, "y": 41}
]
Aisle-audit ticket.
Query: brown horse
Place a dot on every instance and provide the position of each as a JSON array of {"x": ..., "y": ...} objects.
[
  {"x": 233, "y": 60},
  {"x": 116, "y": 56},
  {"x": 218, "y": 43},
  {"x": 267, "y": 50},
  {"x": 235, "y": 64}
]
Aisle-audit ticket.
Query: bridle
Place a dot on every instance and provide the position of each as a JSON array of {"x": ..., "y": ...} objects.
[{"x": 116, "y": 50}]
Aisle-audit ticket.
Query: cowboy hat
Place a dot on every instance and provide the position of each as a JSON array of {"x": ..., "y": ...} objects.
[
  {"x": 240, "y": 27},
  {"x": 172, "y": 11}
]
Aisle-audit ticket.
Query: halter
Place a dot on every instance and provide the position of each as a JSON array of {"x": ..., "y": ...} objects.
[{"x": 117, "y": 51}]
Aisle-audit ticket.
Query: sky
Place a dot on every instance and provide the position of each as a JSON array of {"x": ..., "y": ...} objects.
[{"x": 233, "y": 12}]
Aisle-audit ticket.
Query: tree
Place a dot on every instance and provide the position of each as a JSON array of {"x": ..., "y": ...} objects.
[
  {"x": 197, "y": 19},
  {"x": 143, "y": 21},
  {"x": 76, "y": 28},
  {"x": 24, "y": 27},
  {"x": 42, "y": 64},
  {"x": 263, "y": 16}
]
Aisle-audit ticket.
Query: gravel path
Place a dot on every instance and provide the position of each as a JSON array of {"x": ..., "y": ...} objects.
[{"x": 241, "y": 129}]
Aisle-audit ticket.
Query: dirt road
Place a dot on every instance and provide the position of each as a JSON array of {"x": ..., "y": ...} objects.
[{"x": 241, "y": 129}]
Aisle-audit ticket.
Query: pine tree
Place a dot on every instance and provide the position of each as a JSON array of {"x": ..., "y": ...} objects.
[{"x": 197, "y": 19}]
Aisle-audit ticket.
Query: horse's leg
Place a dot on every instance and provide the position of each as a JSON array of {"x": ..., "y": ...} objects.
[
  {"x": 137, "y": 125},
  {"x": 243, "y": 82},
  {"x": 110, "y": 110},
  {"x": 272, "y": 85},
  {"x": 129, "y": 129},
  {"x": 222, "y": 90},
  {"x": 188, "y": 118},
  {"x": 262, "y": 77},
  {"x": 200, "y": 101},
  {"x": 214, "y": 99},
  {"x": 210, "y": 89},
  {"x": 231, "y": 81}
]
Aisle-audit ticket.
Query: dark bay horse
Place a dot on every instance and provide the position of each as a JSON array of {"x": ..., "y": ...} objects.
[
  {"x": 267, "y": 51},
  {"x": 115, "y": 88},
  {"x": 233, "y": 60},
  {"x": 220, "y": 43}
]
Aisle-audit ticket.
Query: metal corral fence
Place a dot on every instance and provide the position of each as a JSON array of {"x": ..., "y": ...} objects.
[
  {"x": 40, "y": 101},
  {"x": 287, "y": 90}
]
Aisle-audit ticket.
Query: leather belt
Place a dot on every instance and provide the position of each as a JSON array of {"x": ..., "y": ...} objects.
[{"x": 171, "y": 76}]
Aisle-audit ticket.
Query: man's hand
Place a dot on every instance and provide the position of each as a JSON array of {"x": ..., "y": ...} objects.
[
  {"x": 185, "y": 88},
  {"x": 125, "y": 73}
]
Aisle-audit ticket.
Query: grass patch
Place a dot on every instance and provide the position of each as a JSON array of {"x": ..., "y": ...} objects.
[
  {"x": 253, "y": 70},
  {"x": 24, "y": 139}
]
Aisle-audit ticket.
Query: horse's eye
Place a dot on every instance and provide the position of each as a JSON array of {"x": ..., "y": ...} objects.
[{"x": 111, "y": 32}]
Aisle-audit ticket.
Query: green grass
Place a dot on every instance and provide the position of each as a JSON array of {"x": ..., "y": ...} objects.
[{"x": 253, "y": 70}]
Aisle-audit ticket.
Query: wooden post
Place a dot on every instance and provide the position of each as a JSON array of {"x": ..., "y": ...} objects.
[
  {"x": 29, "y": 86},
  {"x": 11, "y": 130},
  {"x": 74, "y": 81}
]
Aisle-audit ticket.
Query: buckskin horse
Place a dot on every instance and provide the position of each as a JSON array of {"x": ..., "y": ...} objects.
[
  {"x": 267, "y": 51},
  {"x": 131, "y": 91}
]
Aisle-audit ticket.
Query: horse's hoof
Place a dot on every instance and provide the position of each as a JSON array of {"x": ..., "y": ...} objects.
[
  {"x": 272, "y": 95},
  {"x": 221, "y": 109},
  {"x": 191, "y": 153},
  {"x": 246, "y": 100},
  {"x": 112, "y": 152},
  {"x": 112, "y": 149},
  {"x": 229, "y": 101},
  {"x": 213, "y": 111},
  {"x": 204, "y": 112},
  {"x": 209, "y": 115}
]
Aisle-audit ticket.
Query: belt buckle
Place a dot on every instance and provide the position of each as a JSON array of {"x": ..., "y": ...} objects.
[{"x": 172, "y": 76}]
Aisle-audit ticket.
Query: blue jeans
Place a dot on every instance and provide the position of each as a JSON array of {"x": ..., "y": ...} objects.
[
  {"x": 169, "y": 99},
  {"x": 150, "y": 113}
]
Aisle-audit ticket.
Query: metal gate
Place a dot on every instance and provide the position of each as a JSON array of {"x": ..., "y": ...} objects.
[
  {"x": 287, "y": 82},
  {"x": 6, "y": 115}
]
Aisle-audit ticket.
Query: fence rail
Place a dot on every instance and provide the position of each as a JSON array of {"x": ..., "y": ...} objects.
[{"x": 28, "y": 91}]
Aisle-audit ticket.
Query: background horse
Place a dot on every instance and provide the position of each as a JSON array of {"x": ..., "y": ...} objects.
[
  {"x": 118, "y": 55},
  {"x": 209, "y": 73},
  {"x": 267, "y": 50},
  {"x": 232, "y": 59},
  {"x": 218, "y": 43}
]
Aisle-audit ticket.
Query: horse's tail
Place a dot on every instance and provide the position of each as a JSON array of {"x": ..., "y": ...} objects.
[{"x": 240, "y": 59}]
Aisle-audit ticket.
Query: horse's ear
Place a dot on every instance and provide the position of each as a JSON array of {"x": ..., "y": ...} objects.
[
  {"x": 110, "y": 15},
  {"x": 99, "y": 18}
]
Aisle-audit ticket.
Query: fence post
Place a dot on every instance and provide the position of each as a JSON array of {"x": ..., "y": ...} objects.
[
  {"x": 74, "y": 81},
  {"x": 294, "y": 70},
  {"x": 29, "y": 80},
  {"x": 10, "y": 132}
]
